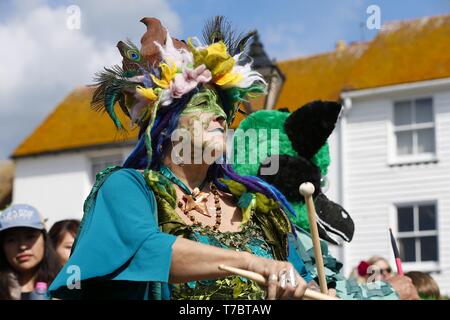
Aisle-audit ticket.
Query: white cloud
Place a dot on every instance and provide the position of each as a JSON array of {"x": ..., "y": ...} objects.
[
  {"x": 113, "y": 20},
  {"x": 42, "y": 60}
]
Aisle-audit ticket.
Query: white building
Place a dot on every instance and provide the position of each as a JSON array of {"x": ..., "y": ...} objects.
[
  {"x": 57, "y": 163},
  {"x": 390, "y": 152},
  {"x": 396, "y": 162}
]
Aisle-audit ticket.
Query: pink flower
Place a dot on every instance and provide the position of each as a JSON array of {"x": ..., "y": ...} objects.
[
  {"x": 362, "y": 268},
  {"x": 199, "y": 74},
  {"x": 188, "y": 80}
]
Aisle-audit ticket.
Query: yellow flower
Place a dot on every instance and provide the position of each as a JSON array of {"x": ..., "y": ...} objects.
[
  {"x": 216, "y": 59},
  {"x": 229, "y": 80},
  {"x": 168, "y": 73},
  {"x": 147, "y": 93}
]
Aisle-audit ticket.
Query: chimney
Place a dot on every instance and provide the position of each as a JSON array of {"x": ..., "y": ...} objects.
[{"x": 340, "y": 45}]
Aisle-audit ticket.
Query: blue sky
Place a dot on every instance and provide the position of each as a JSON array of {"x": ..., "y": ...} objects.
[
  {"x": 45, "y": 61},
  {"x": 290, "y": 28}
]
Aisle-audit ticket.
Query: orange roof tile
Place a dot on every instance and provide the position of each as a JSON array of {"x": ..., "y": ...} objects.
[
  {"x": 405, "y": 51},
  {"x": 402, "y": 52},
  {"x": 317, "y": 77},
  {"x": 74, "y": 125}
]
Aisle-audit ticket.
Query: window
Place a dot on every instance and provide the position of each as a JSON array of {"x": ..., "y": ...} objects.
[
  {"x": 417, "y": 232},
  {"x": 100, "y": 163},
  {"x": 414, "y": 127}
]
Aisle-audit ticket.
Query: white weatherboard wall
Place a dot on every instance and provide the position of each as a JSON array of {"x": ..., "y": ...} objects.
[
  {"x": 57, "y": 184},
  {"x": 373, "y": 187},
  {"x": 333, "y": 192}
]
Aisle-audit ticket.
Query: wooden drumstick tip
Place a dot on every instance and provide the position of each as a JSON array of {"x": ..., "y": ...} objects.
[{"x": 306, "y": 189}]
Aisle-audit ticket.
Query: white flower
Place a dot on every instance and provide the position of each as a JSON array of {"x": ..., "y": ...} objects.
[{"x": 170, "y": 55}]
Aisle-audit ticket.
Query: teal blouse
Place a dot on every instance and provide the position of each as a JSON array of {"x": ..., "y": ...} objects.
[
  {"x": 120, "y": 241},
  {"x": 120, "y": 252}
]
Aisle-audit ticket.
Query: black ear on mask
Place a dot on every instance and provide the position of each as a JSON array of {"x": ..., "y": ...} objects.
[
  {"x": 291, "y": 173},
  {"x": 309, "y": 127}
]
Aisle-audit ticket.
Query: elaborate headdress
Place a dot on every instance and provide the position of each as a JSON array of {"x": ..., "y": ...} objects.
[
  {"x": 166, "y": 71},
  {"x": 154, "y": 85}
]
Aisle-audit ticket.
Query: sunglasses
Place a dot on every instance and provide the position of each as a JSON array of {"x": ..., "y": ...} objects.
[
  {"x": 387, "y": 270},
  {"x": 381, "y": 270}
]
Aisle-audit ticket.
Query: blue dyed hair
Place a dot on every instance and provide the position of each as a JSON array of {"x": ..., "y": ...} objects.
[{"x": 165, "y": 123}]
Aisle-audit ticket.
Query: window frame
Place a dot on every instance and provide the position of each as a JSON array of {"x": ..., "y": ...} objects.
[
  {"x": 396, "y": 159},
  {"x": 96, "y": 159},
  {"x": 424, "y": 266}
]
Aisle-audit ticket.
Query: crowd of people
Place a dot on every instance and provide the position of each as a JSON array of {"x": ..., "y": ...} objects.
[
  {"x": 29, "y": 254},
  {"x": 378, "y": 268}
]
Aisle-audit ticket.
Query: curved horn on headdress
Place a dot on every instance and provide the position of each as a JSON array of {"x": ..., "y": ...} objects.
[{"x": 155, "y": 32}]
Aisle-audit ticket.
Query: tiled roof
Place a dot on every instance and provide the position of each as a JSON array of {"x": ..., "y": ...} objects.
[
  {"x": 317, "y": 77},
  {"x": 402, "y": 52},
  {"x": 405, "y": 51},
  {"x": 74, "y": 125}
]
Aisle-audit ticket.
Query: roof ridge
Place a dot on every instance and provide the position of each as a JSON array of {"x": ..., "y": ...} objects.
[
  {"x": 392, "y": 24},
  {"x": 50, "y": 115},
  {"x": 387, "y": 26},
  {"x": 350, "y": 46}
]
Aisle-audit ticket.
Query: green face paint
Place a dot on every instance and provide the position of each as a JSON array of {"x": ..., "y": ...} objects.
[
  {"x": 203, "y": 102},
  {"x": 202, "y": 110}
]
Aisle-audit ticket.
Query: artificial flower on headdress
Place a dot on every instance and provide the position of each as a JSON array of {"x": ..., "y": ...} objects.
[
  {"x": 178, "y": 74},
  {"x": 226, "y": 70},
  {"x": 168, "y": 74},
  {"x": 188, "y": 80},
  {"x": 216, "y": 58},
  {"x": 147, "y": 93}
]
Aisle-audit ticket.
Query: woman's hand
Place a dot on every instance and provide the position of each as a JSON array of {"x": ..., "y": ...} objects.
[
  {"x": 283, "y": 280},
  {"x": 404, "y": 287},
  {"x": 314, "y": 286}
]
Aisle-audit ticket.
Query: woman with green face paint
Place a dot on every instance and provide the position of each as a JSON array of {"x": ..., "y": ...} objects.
[
  {"x": 160, "y": 226},
  {"x": 211, "y": 217}
]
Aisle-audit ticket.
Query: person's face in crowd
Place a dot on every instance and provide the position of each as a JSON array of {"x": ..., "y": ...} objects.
[
  {"x": 64, "y": 247},
  {"x": 382, "y": 269},
  {"x": 205, "y": 122},
  {"x": 24, "y": 248}
]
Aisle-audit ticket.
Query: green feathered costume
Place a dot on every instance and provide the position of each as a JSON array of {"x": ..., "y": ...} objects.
[
  {"x": 294, "y": 146},
  {"x": 274, "y": 119},
  {"x": 302, "y": 135}
]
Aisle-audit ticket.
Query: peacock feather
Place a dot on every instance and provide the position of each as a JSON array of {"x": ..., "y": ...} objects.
[
  {"x": 219, "y": 29},
  {"x": 112, "y": 85},
  {"x": 132, "y": 58}
]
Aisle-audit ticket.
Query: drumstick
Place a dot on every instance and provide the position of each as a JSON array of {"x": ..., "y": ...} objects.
[
  {"x": 398, "y": 261},
  {"x": 307, "y": 189},
  {"x": 309, "y": 294}
]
